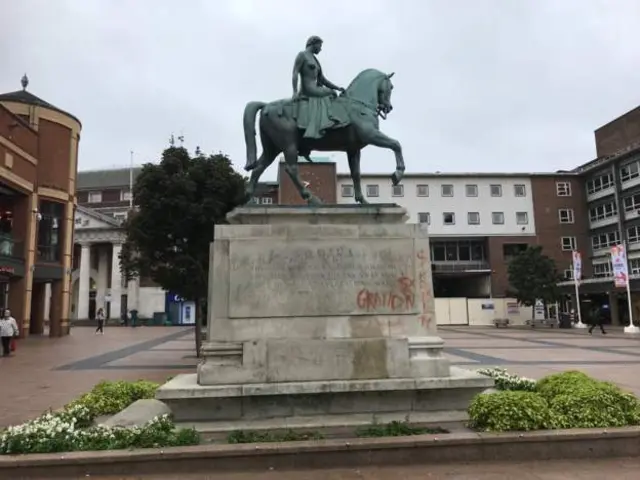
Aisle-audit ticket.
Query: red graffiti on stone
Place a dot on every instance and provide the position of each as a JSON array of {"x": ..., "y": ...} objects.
[
  {"x": 400, "y": 299},
  {"x": 423, "y": 287}
]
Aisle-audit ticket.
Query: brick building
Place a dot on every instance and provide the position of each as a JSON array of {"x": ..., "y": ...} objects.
[{"x": 38, "y": 165}]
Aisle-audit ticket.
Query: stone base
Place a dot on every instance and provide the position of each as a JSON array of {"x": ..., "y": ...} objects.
[
  {"x": 314, "y": 405},
  {"x": 311, "y": 360}
]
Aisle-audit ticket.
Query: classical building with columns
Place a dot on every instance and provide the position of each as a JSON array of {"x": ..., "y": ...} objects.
[
  {"x": 38, "y": 166},
  {"x": 104, "y": 201}
]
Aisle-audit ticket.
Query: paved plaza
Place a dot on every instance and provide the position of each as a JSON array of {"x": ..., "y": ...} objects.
[
  {"x": 51, "y": 372},
  {"x": 589, "y": 469}
]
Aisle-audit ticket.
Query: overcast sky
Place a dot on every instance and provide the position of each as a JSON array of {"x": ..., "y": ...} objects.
[{"x": 480, "y": 85}]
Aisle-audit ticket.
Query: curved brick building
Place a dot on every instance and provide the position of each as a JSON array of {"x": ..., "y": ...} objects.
[{"x": 38, "y": 165}]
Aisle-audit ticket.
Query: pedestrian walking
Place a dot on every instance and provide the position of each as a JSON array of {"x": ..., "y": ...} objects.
[
  {"x": 8, "y": 331},
  {"x": 596, "y": 321},
  {"x": 100, "y": 317}
]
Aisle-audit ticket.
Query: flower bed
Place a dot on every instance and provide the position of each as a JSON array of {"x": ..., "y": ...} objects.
[
  {"x": 72, "y": 428},
  {"x": 564, "y": 400}
]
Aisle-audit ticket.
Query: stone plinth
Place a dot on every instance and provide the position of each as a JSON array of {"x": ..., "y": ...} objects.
[{"x": 314, "y": 307}]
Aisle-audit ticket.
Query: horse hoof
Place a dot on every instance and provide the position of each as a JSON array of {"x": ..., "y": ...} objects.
[
  {"x": 396, "y": 177},
  {"x": 249, "y": 166},
  {"x": 362, "y": 201}
]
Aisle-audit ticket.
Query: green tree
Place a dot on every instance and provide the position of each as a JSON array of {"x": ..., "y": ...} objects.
[
  {"x": 533, "y": 276},
  {"x": 178, "y": 203}
]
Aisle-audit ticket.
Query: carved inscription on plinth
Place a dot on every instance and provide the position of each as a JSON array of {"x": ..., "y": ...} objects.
[{"x": 321, "y": 278}]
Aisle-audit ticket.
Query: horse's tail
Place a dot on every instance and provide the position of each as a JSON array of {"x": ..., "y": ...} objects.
[{"x": 249, "y": 123}]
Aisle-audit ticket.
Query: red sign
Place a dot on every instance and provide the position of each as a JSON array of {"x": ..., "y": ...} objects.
[{"x": 6, "y": 270}]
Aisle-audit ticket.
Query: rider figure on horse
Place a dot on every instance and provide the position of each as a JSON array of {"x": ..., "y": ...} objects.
[{"x": 314, "y": 98}]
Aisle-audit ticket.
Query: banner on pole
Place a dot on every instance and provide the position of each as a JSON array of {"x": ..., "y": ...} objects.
[
  {"x": 619, "y": 265},
  {"x": 577, "y": 266}
]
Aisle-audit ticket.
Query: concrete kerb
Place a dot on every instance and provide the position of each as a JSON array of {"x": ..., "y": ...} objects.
[{"x": 423, "y": 449}]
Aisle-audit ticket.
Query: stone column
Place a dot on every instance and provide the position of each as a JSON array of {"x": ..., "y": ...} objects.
[
  {"x": 133, "y": 294},
  {"x": 614, "y": 308},
  {"x": 47, "y": 302},
  {"x": 38, "y": 300},
  {"x": 84, "y": 282},
  {"x": 102, "y": 281},
  {"x": 116, "y": 282}
]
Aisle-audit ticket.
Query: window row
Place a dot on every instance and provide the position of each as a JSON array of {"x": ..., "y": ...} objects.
[
  {"x": 602, "y": 212},
  {"x": 263, "y": 200},
  {"x": 631, "y": 203},
  {"x": 96, "y": 196},
  {"x": 599, "y": 183},
  {"x": 605, "y": 270},
  {"x": 473, "y": 218},
  {"x": 630, "y": 171},
  {"x": 460, "y": 251},
  {"x": 605, "y": 240},
  {"x": 446, "y": 190}
]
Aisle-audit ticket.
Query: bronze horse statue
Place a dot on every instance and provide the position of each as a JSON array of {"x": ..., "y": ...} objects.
[{"x": 359, "y": 106}]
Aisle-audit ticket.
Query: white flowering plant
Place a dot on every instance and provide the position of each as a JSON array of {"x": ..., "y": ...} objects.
[
  {"x": 72, "y": 429},
  {"x": 508, "y": 381}
]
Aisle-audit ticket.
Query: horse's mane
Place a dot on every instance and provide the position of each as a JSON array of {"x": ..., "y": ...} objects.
[{"x": 365, "y": 73}]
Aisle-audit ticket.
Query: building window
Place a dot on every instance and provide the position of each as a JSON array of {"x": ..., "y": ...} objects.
[
  {"x": 520, "y": 190},
  {"x": 605, "y": 240},
  {"x": 122, "y": 216},
  {"x": 449, "y": 218},
  {"x": 347, "y": 190},
  {"x": 471, "y": 190},
  {"x": 566, "y": 215},
  {"x": 266, "y": 200},
  {"x": 563, "y": 189},
  {"x": 568, "y": 274},
  {"x": 397, "y": 190},
  {"x": 422, "y": 190},
  {"x": 447, "y": 190},
  {"x": 632, "y": 203},
  {"x": 460, "y": 251},
  {"x": 634, "y": 266},
  {"x": 125, "y": 195},
  {"x": 568, "y": 243},
  {"x": 602, "y": 212},
  {"x": 633, "y": 234},
  {"x": 522, "y": 218},
  {"x": 424, "y": 217},
  {"x": 599, "y": 183},
  {"x": 95, "y": 197},
  {"x": 473, "y": 218},
  {"x": 512, "y": 250},
  {"x": 373, "y": 190},
  {"x": 497, "y": 218},
  {"x": 629, "y": 171},
  {"x": 602, "y": 270},
  {"x": 50, "y": 231},
  {"x": 496, "y": 190}
]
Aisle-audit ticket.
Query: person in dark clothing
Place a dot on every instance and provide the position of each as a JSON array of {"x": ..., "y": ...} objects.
[
  {"x": 100, "y": 317},
  {"x": 596, "y": 321}
]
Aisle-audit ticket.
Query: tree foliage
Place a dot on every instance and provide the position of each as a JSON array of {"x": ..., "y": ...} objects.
[
  {"x": 533, "y": 276},
  {"x": 178, "y": 203}
]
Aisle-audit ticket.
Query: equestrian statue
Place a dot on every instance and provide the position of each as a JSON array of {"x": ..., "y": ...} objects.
[{"x": 321, "y": 116}]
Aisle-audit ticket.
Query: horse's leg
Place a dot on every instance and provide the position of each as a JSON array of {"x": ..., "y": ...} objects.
[
  {"x": 269, "y": 153},
  {"x": 376, "y": 137},
  {"x": 354, "y": 167},
  {"x": 291, "y": 167}
]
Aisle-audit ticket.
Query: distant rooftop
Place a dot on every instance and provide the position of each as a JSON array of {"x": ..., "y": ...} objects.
[
  {"x": 105, "y": 178},
  {"x": 464, "y": 174}
]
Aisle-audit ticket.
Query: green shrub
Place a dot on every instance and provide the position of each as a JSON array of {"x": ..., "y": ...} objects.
[
  {"x": 396, "y": 429},
  {"x": 595, "y": 405},
  {"x": 250, "y": 436},
  {"x": 509, "y": 411},
  {"x": 563, "y": 383},
  {"x": 109, "y": 398},
  {"x": 507, "y": 381}
]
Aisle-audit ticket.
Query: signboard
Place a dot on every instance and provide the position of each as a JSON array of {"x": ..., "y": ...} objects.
[
  {"x": 488, "y": 306},
  {"x": 619, "y": 265},
  {"x": 538, "y": 310},
  {"x": 513, "y": 308},
  {"x": 577, "y": 266},
  {"x": 6, "y": 270}
]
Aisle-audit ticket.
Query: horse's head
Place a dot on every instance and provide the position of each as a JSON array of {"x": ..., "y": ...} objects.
[
  {"x": 373, "y": 88},
  {"x": 385, "y": 87}
]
